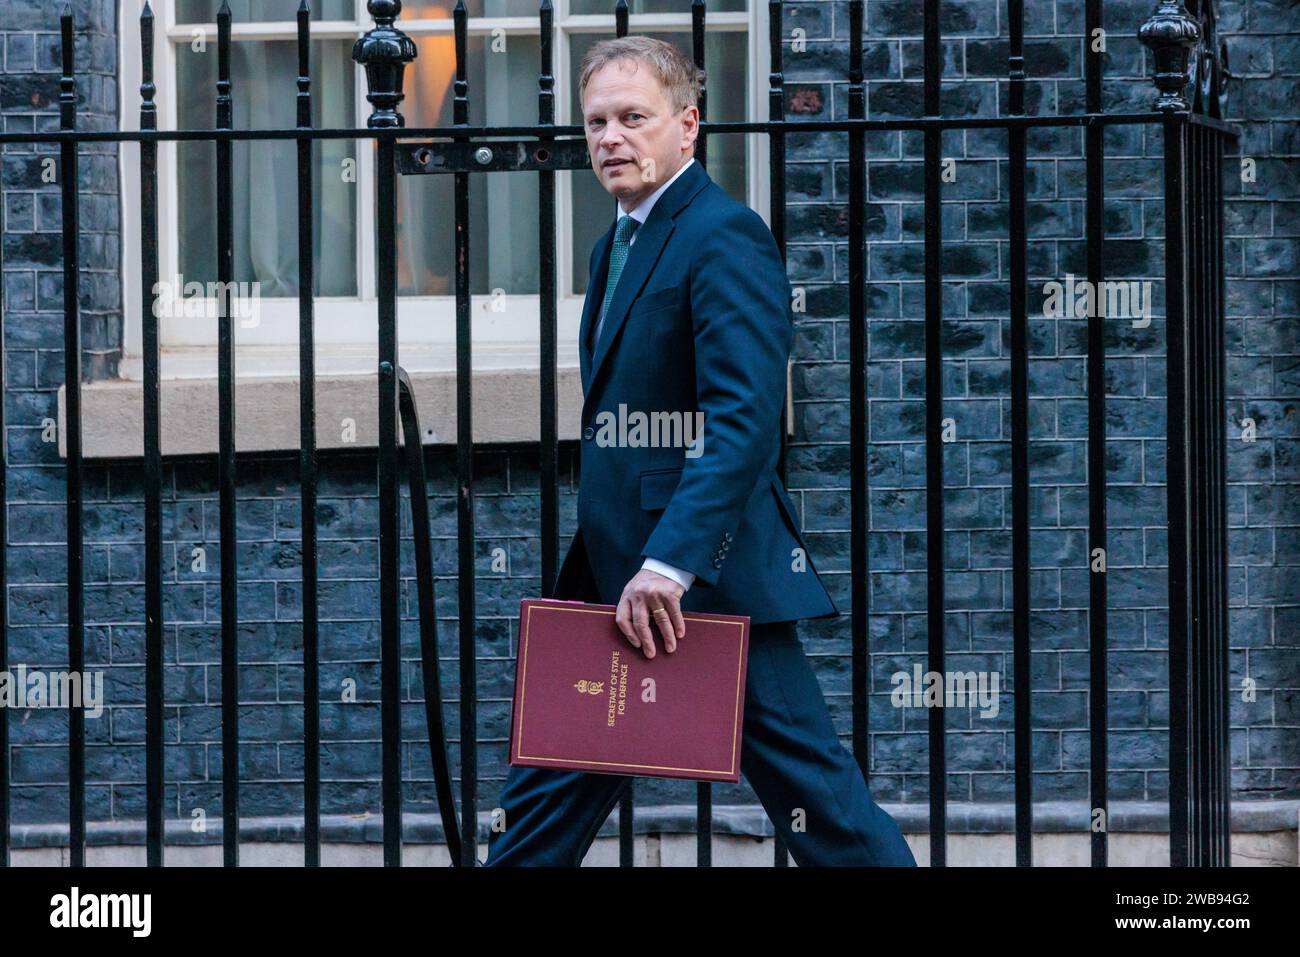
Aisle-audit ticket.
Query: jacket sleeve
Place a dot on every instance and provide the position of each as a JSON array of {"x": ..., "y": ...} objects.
[{"x": 740, "y": 309}]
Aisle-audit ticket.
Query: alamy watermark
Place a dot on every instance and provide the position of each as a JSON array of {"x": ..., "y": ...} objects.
[
  {"x": 946, "y": 689},
  {"x": 655, "y": 430},
  {"x": 77, "y": 910},
  {"x": 1110, "y": 299},
  {"x": 178, "y": 299},
  {"x": 22, "y": 689}
]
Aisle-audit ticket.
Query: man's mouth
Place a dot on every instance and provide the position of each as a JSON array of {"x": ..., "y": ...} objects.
[{"x": 617, "y": 161}]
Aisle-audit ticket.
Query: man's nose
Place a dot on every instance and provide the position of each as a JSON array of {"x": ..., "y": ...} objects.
[{"x": 611, "y": 137}]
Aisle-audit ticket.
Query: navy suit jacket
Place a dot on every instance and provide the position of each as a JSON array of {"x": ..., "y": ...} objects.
[{"x": 700, "y": 322}]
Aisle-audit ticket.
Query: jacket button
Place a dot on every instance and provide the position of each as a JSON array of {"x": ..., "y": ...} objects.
[
  {"x": 717, "y": 563},
  {"x": 726, "y": 545},
  {"x": 726, "y": 536},
  {"x": 588, "y": 433}
]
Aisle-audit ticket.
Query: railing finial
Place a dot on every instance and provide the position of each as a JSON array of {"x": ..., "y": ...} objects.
[
  {"x": 68, "y": 81},
  {"x": 148, "y": 108},
  {"x": 384, "y": 52},
  {"x": 1170, "y": 33}
]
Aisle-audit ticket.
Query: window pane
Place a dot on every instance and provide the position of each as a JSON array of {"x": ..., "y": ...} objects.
[
  {"x": 262, "y": 11},
  {"x": 725, "y": 60},
  {"x": 473, "y": 8},
  {"x": 263, "y": 76},
  {"x": 587, "y": 7},
  {"x": 502, "y": 77}
]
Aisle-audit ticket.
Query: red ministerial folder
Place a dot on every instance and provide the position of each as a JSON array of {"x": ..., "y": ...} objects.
[{"x": 586, "y": 700}]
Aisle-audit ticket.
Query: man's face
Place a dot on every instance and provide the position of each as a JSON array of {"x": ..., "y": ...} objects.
[{"x": 635, "y": 139}]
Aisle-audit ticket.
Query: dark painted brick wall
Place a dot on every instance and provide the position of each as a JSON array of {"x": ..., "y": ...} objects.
[{"x": 1263, "y": 316}]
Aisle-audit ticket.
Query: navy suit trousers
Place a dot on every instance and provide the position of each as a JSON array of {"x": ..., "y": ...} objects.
[{"x": 809, "y": 783}]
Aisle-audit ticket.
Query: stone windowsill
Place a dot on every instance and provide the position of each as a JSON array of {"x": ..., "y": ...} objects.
[{"x": 505, "y": 410}]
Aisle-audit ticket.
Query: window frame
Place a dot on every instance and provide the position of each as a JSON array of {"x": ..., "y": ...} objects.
[{"x": 502, "y": 339}]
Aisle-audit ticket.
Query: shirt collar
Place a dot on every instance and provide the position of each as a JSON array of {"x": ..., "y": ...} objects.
[{"x": 642, "y": 210}]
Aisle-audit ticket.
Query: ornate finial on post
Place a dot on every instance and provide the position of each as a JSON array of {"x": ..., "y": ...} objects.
[
  {"x": 384, "y": 52},
  {"x": 148, "y": 108},
  {"x": 68, "y": 82},
  {"x": 1171, "y": 34}
]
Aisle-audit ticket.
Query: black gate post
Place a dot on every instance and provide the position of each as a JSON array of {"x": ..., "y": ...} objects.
[
  {"x": 384, "y": 51},
  {"x": 1199, "y": 798}
]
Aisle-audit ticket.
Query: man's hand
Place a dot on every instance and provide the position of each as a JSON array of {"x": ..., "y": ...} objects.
[{"x": 651, "y": 597}]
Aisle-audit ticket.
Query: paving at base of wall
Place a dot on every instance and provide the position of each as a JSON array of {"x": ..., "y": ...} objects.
[{"x": 1264, "y": 833}]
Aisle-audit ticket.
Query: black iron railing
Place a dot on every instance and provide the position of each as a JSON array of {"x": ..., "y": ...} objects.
[{"x": 1186, "y": 49}]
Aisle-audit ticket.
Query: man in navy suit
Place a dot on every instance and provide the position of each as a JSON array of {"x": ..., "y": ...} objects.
[{"x": 685, "y": 337}]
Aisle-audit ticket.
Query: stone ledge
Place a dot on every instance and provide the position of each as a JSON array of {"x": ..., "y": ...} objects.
[
  {"x": 1054, "y": 817},
  {"x": 505, "y": 409},
  {"x": 1267, "y": 849}
]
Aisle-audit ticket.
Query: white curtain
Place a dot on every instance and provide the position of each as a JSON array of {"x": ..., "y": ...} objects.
[{"x": 265, "y": 173}]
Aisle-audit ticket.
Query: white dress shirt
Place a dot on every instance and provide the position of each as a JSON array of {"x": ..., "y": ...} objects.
[
  {"x": 640, "y": 213},
  {"x": 642, "y": 210}
]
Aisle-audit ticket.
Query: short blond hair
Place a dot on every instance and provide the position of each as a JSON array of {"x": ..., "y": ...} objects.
[{"x": 677, "y": 73}]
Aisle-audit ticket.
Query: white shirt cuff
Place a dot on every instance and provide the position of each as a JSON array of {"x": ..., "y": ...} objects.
[{"x": 679, "y": 575}]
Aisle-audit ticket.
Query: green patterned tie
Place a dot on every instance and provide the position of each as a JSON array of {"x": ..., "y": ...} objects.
[{"x": 622, "y": 240}]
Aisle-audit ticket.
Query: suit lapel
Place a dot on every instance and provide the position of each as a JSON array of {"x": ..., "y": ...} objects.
[{"x": 651, "y": 237}]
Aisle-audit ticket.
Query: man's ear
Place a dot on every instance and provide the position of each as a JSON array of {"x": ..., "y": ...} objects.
[{"x": 692, "y": 123}]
